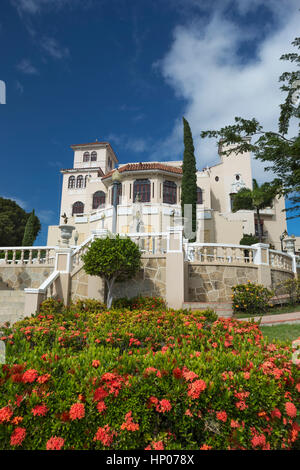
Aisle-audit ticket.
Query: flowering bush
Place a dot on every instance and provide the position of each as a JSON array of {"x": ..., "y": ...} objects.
[
  {"x": 251, "y": 298},
  {"x": 140, "y": 379}
]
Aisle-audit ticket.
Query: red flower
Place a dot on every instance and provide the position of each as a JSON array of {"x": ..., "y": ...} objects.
[
  {"x": 77, "y": 411},
  {"x": 222, "y": 416},
  {"x": 5, "y": 414},
  {"x": 17, "y": 436},
  {"x": 259, "y": 440},
  {"x": 104, "y": 435},
  {"x": 196, "y": 388},
  {"x": 205, "y": 447},
  {"x": 163, "y": 406},
  {"x": 95, "y": 363},
  {"x": 177, "y": 373},
  {"x": 101, "y": 407},
  {"x": 100, "y": 394},
  {"x": 129, "y": 424},
  {"x": 276, "y": 413},
  {"x": 290, "y": 409},
  {"x": 55, "y": 443},
  {"x": 39, "y": 410},
  {"x": 30, "y": 376},
  {"x": 43, "y": 378}
]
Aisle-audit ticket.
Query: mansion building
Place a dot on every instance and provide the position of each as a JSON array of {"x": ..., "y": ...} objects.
[{"x": 148, "y": 198}]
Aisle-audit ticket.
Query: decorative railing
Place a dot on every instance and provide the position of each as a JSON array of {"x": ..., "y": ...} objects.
[
  {"x": 81, "y": 250},
  {"x": 281, "y": 260},
  {"x": 49, "y": 286},
  {"x": 150, "y": 243},
  {"x": 217, "y": 253},
  {"x": 27, "y": 255}
]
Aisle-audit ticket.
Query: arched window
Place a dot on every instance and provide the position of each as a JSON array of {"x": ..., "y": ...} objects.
[
  {"x": 98, "y": 199},
  {"x": 94, "y": 156},
  {"x": 79, "y": 181},
  {"x": 169, "y": 192},
  {"x": 119, "y": 193},
  {"x": 78, "y": 208},
  {"x": 199, "y": 195},
  {"x": 141, "y": 190},
  {"x": 71, "y": 182},
  {"x": 86, "y": 156}
]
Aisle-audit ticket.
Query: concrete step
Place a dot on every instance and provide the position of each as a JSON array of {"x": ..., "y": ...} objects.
[{"x": 222, "y": 309}]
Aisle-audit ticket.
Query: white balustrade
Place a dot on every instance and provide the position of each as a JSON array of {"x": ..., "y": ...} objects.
[
  {"x": 27, "y": 255},
  {"x": 219, "y": 253},
  {"x": 281, "y": 260}
]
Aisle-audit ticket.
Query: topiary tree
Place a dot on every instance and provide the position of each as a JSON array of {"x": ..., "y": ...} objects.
[
  {"x": 189, "y": 181},
  {"x": 29, "y": 232},
  {"x": 115, "y": 259}
]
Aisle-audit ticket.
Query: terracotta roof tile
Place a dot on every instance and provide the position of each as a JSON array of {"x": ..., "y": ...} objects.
[{"x": 146, "y": 166}]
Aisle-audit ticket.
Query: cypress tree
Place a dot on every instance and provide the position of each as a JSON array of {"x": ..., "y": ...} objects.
[
  {"x": 29, "y": 232},
  {"x": 189, "y": 179}
]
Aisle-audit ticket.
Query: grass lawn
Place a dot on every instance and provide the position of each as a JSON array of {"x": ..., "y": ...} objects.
[{"x": 287, "y": 332}]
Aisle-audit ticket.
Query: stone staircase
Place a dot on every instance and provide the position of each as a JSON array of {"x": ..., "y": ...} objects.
[
  {"x": 12, "y": 303},
  {"x": 222, "y": 309}
]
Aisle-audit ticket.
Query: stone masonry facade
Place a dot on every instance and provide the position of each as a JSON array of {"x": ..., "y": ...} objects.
[
  {"x": 212, "y": 283},
  {"x": 19, "y": 278},
  {"x": 150, "y": 281}
]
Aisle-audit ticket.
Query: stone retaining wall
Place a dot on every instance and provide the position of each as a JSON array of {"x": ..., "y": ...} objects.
[
  {"x": 151, "y": 280},
  {"x": 278, "y": 276},
  {"x": 213, "y": 282},
  {"x": 20, "y": 277}
]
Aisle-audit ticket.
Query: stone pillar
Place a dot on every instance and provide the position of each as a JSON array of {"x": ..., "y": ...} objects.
[
  {"x": 174, "y": 269},
  {"x": 261, "y": 259},
  {"x": 63, "y": 265},
  {"x": 33, "y": 299}
]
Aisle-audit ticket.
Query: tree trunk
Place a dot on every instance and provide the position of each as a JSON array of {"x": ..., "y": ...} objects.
[
  {"x": 260, "y": 235},
  {"x": 110, "y": 285}
]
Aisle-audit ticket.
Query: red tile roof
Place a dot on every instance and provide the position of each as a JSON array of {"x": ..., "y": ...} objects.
[
  {"x": 146, "y": 166},
  {"x": 90, "y": 143}
]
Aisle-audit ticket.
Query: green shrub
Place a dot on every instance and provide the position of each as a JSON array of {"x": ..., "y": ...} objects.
[
  {"x": 138, "y": 379},
  {"x": 140, "y": 302},
  {"x": 251, "y": 298}
]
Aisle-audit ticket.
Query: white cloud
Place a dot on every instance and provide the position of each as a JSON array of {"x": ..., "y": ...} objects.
[
  {"x": 54, "y": 49},
  {"x": 204, "y": 68},
  {"x": 26, "y": 67},
  {"x": 136, "y": 145}
]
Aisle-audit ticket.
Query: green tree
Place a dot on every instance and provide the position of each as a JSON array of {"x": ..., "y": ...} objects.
[
  {"x": 248, "y": 239},
  {"x": 115, "y": 259},
  {"x": 255, "y": 199},
  {"x": 13, "y": 220},
  {"x": 29, "y": 232},
  {"x": 279, "y": 150},
  {"x": 189, "y": 182}
]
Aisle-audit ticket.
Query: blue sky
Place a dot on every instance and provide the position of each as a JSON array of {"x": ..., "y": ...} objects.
[{"x": 126, "y": 71}]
